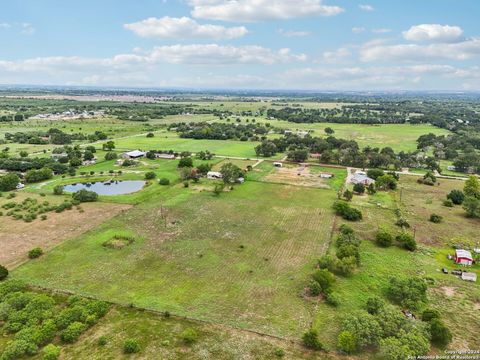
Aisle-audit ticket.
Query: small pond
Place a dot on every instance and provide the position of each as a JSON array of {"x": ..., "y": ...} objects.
[{"x": 114, "y": 187}]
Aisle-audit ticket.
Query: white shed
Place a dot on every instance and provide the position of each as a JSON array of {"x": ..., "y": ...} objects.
[{"x": 469, "y": 276}]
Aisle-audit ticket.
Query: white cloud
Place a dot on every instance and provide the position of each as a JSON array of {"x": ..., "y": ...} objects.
[
  {"x": 222, "y": 55},
  {"x": 464, "y": 50},
  {"x": 381, "y": 31},
  {"x": 27, "y": 29},
  {"x": 358, "y": 30},
  {"x": 258, "y": 10},
  {"x": 365, "y": 7},
  {"x": 294, "y": 33},
  {"x": 337, "y": 56},
  {"x": 5, "y": 25},
  {"x": 434, "y": 33},
  {"x": 183, "y": 28}
]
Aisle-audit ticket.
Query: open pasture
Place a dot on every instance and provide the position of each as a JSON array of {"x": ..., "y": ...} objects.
[
  {"x": 241, "y": 258},
  {"x": 420, "y": 201},
  {"x": 18, "y": 237},
  {"x": 171, "y": 141}
]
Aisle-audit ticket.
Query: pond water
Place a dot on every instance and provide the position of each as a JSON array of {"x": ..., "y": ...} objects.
[{"x": 114, "y": 187}]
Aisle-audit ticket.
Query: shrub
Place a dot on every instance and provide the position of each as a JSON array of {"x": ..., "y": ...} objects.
[
  {"x": 375, "y": 173},
  {"x": 85, "y": 196},
  {"x": 35, "y": 253},
  {"x": 3, "y": 272},
  {"x": 332, "y": 299},
  {"x": 324, "y": 278},
  {"x": 102, "y": 341},
  {"x": 435, "y": 218},
  {"x": 456, "y": 196},
  {"x": 347, "y": 342},
  {"x": 164, "y": 181},
  {"x": 189, "y": 336},
  {"x": 51, "y": 352},
  {"x": 18, "y": 348},
  {"x": 110, "y": 155},
  {"x": 185, "y": 162},
  {"x": 58, "y": 190},
  {"x": 440, "y": 333},
  {"x": 130, "y": 346},
  {"x": 311, "y": 341},
  {"x": 150, "y": 135},
  {"x": 430, "y": 314},
  {"x": 359, "y": 188},
  {"x": 374, "y": 305},
  {"x": 383, "y": 238},
  {"x": 314, "y": 288},
  {"x": 348, "y": 195},
  {"x": 9, "y": 182},
  {"x": 448, "y": 203},
  {"x": 407, "y": 241},
  {"x": 345, "y": 229},
  {"x": 386, "y": 182},
  {"x": 279, "y": 352},
  {"x": 343, "y": 209},
  {"x": 73, "y": 332},
  {"x": 150, "y": 175}
]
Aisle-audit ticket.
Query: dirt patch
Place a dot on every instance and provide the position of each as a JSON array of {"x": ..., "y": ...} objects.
[
  {"x": 18, "y": 237},
  {"x": 448, "y": 291},
  {"x": 297, "y": 175}
]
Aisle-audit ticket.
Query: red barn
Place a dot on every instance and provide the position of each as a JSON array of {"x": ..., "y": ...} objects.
[{"x": 463, "y": 257}]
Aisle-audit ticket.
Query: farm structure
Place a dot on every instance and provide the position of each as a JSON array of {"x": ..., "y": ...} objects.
[
  {"x": 469, "y": 276},
  {"x": 360, "y": 177},
  {"x": 135, "y": 154},
  {"x": 463, "y": 257}
]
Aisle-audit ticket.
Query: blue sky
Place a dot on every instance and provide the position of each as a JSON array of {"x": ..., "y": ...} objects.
[{"x": 248, "y": 44}]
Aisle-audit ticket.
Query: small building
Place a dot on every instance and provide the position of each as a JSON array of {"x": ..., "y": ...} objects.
[
  {"x": 214, "y": 175},
  {"x": 20, "y": 186},
  {"x": 360, "y": 177},
  {"x": 463, "y": 257},
  {"x": 135, "y": 154},
  {"x": 165, "y": 156},
  {"x": 469, "y": 276},
  {"x": 278, "y": 164},
  {"x": 326, "y": 175},
  {"x": 451, "y": 168}
]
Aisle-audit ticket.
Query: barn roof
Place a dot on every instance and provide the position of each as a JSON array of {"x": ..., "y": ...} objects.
[{"x": 460, "y": 253}]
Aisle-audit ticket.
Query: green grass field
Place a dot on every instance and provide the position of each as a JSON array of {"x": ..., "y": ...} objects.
[{"x": 240, "y": 259}]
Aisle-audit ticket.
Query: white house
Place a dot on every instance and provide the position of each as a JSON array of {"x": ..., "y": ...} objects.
[
  {"x": 214, "y": 175},
  {"x": 468, "y": 276},
  {"x": 135, "y": 154},
  {"x": 326, "y": 175},
  {"x": 360, "y": 177}
]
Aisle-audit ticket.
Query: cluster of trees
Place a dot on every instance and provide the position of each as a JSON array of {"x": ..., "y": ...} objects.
[
  {"x": 36, "y": 319},
  {"x": 404, "y": 240},
  {"x": 221, "y": 131},
  {"x": 345, "y": 115},
  {"x": 52, "y": 136},
  {"x": 470, "y": 197},
  {"x": 385, "y": 328},
  {"x": 347, "y": 255},
  {"x": 343, "y": 209},
  {"x": 344, "y": 152}
]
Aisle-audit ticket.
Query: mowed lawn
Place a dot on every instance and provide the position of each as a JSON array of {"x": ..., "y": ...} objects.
[
  {"x": 171, "y": 141},
  {"x": 242, "y": 258}
]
